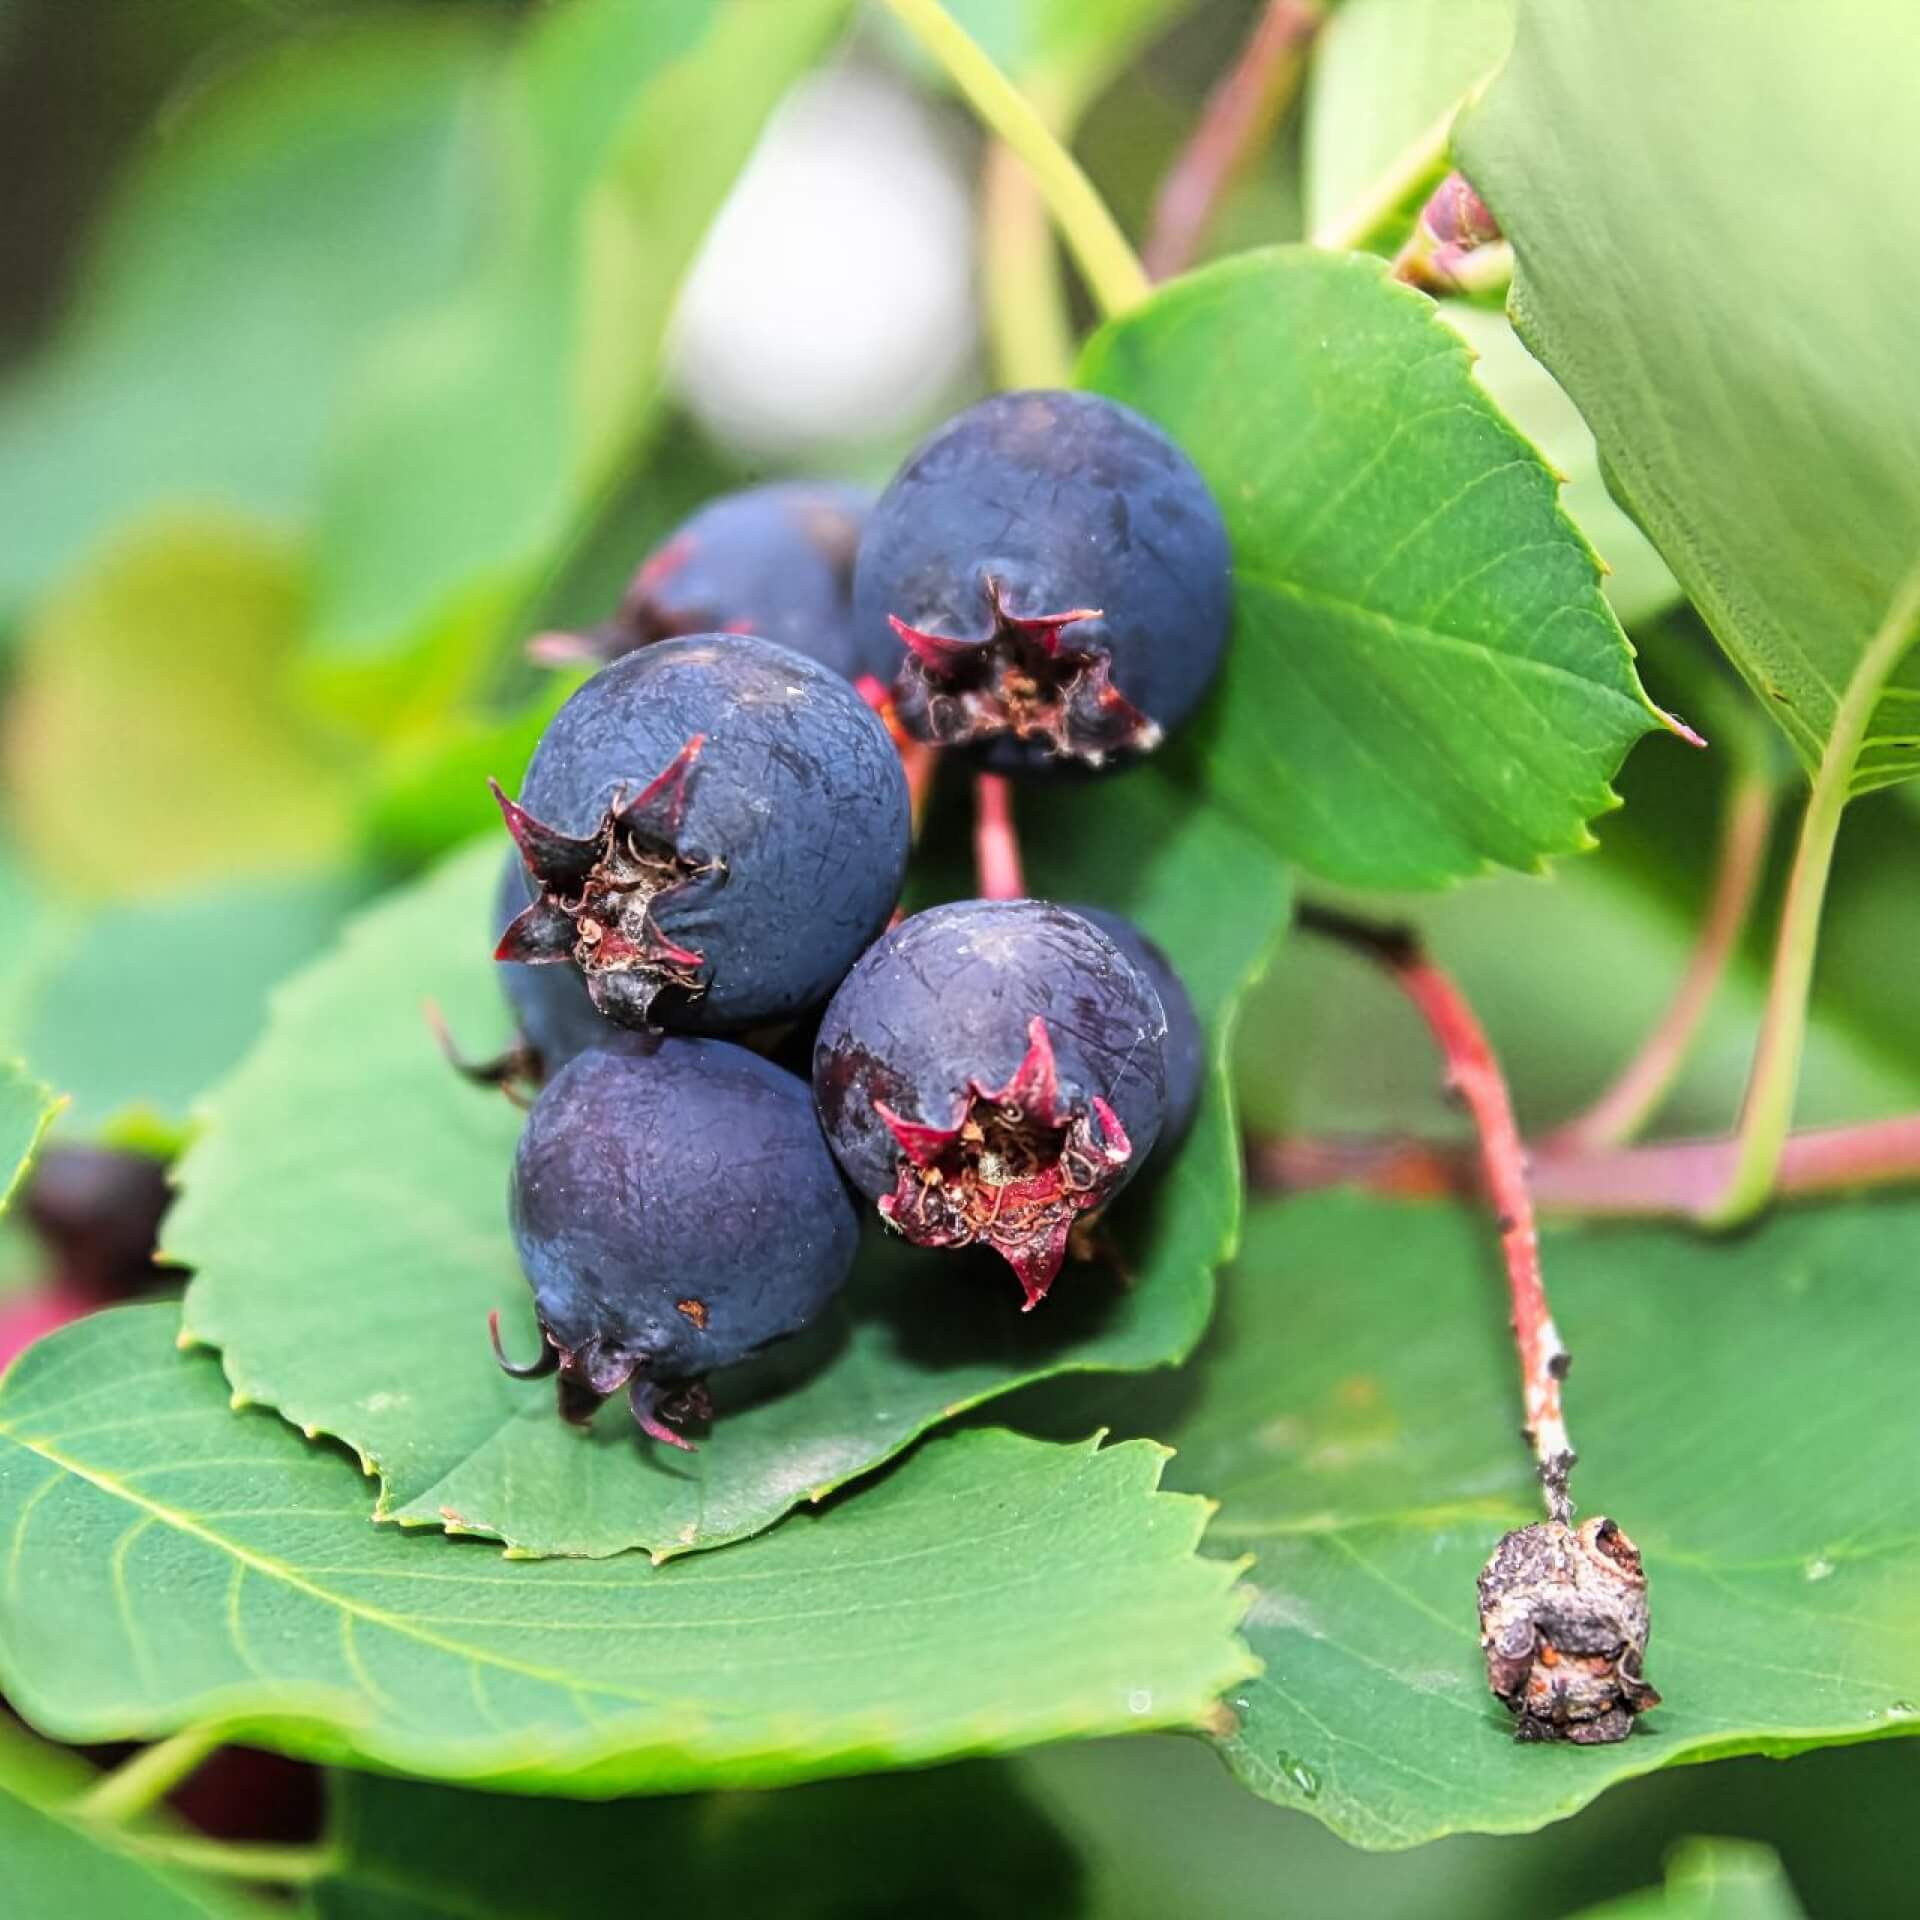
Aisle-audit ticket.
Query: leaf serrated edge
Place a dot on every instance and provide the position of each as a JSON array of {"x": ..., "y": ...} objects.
[
  {"x": 51, "y": 1106},
  {"x": 363, "y": 932},
  {"x": 1370, "y": 266},
  {"x": 331, "y": 1725}
]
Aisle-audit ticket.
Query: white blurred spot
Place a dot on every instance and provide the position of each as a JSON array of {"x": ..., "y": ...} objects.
[{"x": 833, "y": 301}]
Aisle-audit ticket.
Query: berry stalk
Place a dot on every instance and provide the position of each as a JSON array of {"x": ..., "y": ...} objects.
[
  {"x": 1417, "y": 168},
  {"x": 1767, "y": 1112},
  {"x": 141, "y": 1781},
  {"x": 1626, "y": 1106},
  {"x": 1474, "y": 1074},
  {"x": 1239, "y": 119},
  {"x": 290, "y": 1866},
  {"x": 1023, "y": 294},
  {"x": 996, "y": 841},
  {"x": 1114, "y": 276}
]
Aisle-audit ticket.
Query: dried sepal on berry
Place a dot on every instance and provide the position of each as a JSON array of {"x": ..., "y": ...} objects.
[
  {"x": 617, "y": 1205},
  {"x": 1030, "y": 678},
  {"x": 585, "y": 1377},
  {"x": 593, "y": 896},
  {"x": 1014, "y": 1171},
  {"x": 1564, "y": 1624}
]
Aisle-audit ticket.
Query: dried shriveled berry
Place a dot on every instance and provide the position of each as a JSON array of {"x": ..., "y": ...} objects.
[
  {"x": 990, "y": 1071},
  {"x": 714, "y": 828},
  {"x": 776, "y": 561},
  {"x": 675, "y": 1210},
  {"x": 1563, "y": 1625},
  {"x": 1046, "y": 579}
]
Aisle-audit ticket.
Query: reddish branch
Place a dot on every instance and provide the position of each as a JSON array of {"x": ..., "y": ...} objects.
[
  {"x": 1474, "y": 1075},
  {"x": 1238, "y": 120},
  {"x": 1624, "y": 1108},
  {"x": 1678, "y": 1179},
  {"x": 919, "y": 761},
  {"x": 996, "y": 845}
]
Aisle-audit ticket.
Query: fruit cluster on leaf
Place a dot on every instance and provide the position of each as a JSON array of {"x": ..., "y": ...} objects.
[{"x": 713, "y": 833}]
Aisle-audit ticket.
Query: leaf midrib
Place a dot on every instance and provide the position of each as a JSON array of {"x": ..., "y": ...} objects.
[
  {"x": 1396, "y": 627},
  {"x": 268, "y": 1567}
]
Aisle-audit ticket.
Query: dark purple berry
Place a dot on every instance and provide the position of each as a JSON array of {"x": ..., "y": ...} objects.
[
  {"x": 775, "y": 561},
  {"x": 675, "y": 1210},
  {"x": 714, "y": 828},
  {"x": 1186, "y": 1038},
  {"x": 990, "y": 1071},
  {"x": 97, "y": 1211},
  {"x": 1046, "y": 579}
]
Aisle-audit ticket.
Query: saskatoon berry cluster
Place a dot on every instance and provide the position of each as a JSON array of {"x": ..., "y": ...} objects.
[{"x": 711, "y": 842}]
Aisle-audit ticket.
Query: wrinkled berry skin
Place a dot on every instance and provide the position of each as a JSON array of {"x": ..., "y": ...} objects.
[
  {"x": 1186, "y": 1038},
  {"x": 675, "y": 1209},
  {"x": 984, "y": 1012},
  {"x": 1050, "y": 536},
  {"x": 776, "y": 561},
  {"x": 550, "y": 1004},
  {"x": 772, "y": 794}
]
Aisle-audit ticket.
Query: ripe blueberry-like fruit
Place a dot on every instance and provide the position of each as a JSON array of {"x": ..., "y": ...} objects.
[
  {"x": 675, "y": 1210},
  {"x": 990, "y": 1071},
  {"x": 714, "y": 828},
  {"x": 1186, "y": 1039},
  {"x": 1047, "y": 579},
  {"x": 776, "y": 561}
]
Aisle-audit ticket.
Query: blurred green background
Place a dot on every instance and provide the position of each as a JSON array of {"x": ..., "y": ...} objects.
[{"x": 291, "y": 461}]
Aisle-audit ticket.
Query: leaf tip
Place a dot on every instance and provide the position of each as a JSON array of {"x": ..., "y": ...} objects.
[{"x": 1680, "y": 730}]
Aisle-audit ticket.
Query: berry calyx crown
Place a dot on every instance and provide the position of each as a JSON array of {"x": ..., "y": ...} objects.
[{"x": 1013, "y": 1171}]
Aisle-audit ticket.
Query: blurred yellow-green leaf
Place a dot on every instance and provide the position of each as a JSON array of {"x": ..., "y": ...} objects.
[
  {"x": 152, "y": 738},
  {"x": 295, "y": 208},
  {"x": 486, "y": 432}
]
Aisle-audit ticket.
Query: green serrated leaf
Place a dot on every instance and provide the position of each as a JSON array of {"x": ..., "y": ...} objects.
[
  {"x": 1700, "y": 200},
  {"x": 1639, "y": 586},
  {"x": 55, "y": 1865},
  {"x": 1712, "y": 1880},
  {"x": 209, "y": 352},
  {"x": 136, "y": 1009},
  {"x": 487, "y": 430},
  {"x": 26, "y": 1110},
  {"x": 173, "y": 1563},
  {"x": 1743, "y": 1408},
  {"x": 345, "y": 1215},
  {"x": 1424, "y": 677},
  {"x": 151, "y": 694},
  {"x": 892, "y": 1843}
]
